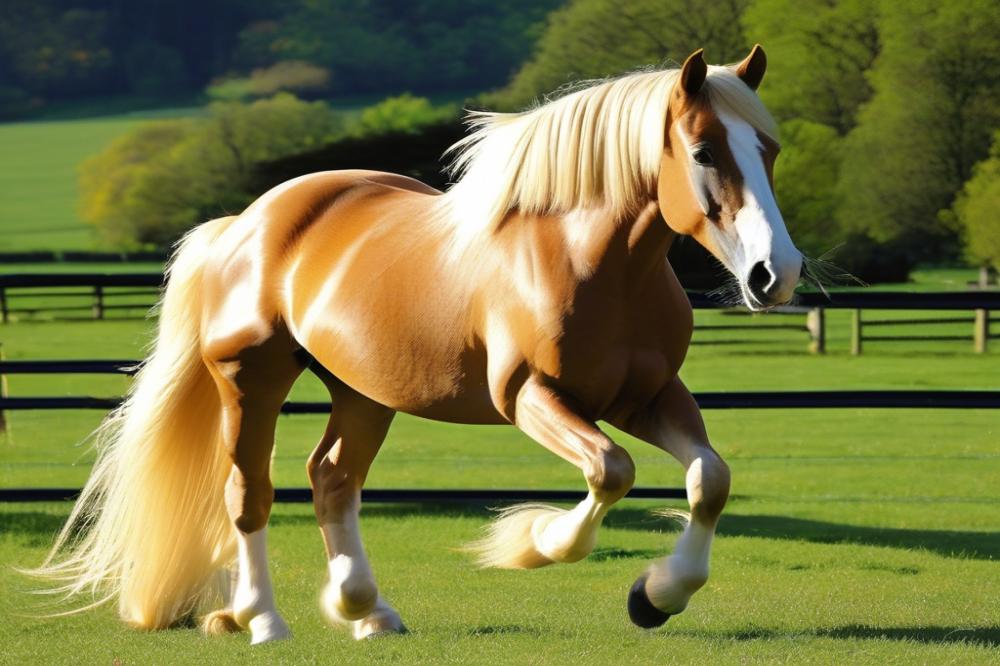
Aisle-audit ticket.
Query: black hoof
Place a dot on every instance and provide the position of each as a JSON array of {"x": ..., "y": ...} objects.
[{"x": 641, "y": 610}]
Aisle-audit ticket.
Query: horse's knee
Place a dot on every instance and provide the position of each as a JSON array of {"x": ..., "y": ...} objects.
[
  {"x": 708, "y": 480},
  {"x": 611, "y": 472}
]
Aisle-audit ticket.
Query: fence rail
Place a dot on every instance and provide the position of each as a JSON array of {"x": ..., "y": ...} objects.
[
  {"x": 812, "y": 305},
  {"x": 104, "y": 286}
]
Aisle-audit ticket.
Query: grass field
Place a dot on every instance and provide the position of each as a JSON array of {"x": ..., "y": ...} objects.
[{"x": 854, "y": 536}]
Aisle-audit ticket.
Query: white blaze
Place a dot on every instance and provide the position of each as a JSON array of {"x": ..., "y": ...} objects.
[{"x": 759, "y": 225}]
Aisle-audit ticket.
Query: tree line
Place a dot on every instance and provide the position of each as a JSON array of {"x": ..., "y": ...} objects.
[
  {"x": 888, "y": 110},
  {"x": 58, "y": 50},
  {"x": 885, "y": 108}
]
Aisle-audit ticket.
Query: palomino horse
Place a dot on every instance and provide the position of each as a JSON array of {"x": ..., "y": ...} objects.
[{"x": 534, "y": 292}]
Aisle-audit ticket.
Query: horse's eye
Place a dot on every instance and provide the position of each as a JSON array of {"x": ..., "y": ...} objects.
[{"x": 703, "y": 156}]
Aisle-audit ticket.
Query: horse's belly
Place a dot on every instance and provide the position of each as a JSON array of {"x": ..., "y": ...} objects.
[{"x": 407, "y": 380}]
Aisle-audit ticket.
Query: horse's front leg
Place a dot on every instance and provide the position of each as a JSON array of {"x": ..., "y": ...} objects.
[
  {"x": 673, "y": 423},
  {"x": 533, "y": 535}
]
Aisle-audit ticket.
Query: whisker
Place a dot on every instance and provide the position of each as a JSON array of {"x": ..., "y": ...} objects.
[{"x": 820, "y": 273}]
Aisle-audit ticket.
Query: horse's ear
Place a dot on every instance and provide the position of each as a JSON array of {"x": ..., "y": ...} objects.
[
  {"x": 693, "y": 72},
  {"x": 751, "y": 70}
]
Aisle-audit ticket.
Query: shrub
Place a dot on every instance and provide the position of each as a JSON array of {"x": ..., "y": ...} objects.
[
  {"x": 294, "y": 76},
  {"x": 976, "y": 210},
  {"x": 404, "y": 113}
]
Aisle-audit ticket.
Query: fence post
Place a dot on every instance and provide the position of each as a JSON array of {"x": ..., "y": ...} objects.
[
  {"x": 816, "y": 323},
  {"x": 981, "y": 335},
  {"x": 981, "y": 329},
  {"x": 856, "y": 332},
  {"x": 3, "y": 304},
  {"x": 3, "y": 393},
  {"x": 98, "y": 301}
]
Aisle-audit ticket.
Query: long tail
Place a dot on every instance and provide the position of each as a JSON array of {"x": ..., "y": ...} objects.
[{"x": 150, "y": 527}]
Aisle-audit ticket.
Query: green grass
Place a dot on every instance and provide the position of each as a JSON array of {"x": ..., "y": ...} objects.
[
  {"x": 854, "y": 536},
  {"x": 83, "y": 267},
  {"x": 833, "y": 587}
]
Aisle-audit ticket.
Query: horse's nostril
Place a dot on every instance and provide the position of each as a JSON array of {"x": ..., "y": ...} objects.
[{"x": 758, "y": 281}]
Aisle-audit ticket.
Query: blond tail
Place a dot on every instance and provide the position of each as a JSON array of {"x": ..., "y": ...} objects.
[{"x": 150, "y": 527}]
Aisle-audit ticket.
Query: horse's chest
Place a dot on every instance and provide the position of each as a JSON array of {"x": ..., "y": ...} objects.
[
  {"x": 626, "y": 354},
  {"x": 600, "y": 375}
]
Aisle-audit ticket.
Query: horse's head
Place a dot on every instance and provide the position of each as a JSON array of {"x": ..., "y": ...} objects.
[{"x": 715, "y": 179}]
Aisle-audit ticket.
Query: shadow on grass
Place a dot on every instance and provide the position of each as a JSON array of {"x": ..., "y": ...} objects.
[
  {"x": 985, "y": 636},
  {"x": 41, "y": 526},
  {"x": 948, "y": 543},
  {"x": 398, "y": 511},
  {"x": 988, "y": 637},
  {"x": 35, "y": 527}
]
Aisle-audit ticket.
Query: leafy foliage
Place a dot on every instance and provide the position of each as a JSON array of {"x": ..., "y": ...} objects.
[
  {"x": 399, "y": 45},
  {"x": 65, "y": 49},
  {"x": 56, "y": 54},
  {"x": 597, "y": 38},
  {"x": 295, "y": 76},
  {"x": 154, "y": 183},
  {"x": 818, "y": 55},
  {"x": 805, "y": 179},
  {"x": 930, "y": 119},
  {"x": 977, "y": 209},
  {"x": 404, "y": 113}
]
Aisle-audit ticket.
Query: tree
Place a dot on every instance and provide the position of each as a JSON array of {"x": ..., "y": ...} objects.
[
  {"x": 977, "y": 210},
  {"x": 394, "y": 46},
  {"x": 53, "y": 53},
  {"x": 597, "y": 38},
  {"x": 931, "y": 117},
  {"x": 818, "y": 54},
  {"x": 156, "y": 182},
  {"x": 108, "y": 180},
  {"x": 805, "y": 180}
]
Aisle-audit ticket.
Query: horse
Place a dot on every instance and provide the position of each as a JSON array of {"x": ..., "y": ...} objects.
[{"x": 535, "y": 292}]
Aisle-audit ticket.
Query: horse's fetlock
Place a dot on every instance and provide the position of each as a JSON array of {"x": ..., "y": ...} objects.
[{"x": 352, "y": 598}]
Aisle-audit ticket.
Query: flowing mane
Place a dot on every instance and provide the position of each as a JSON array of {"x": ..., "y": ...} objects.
[{"x": 597, "y": 147}]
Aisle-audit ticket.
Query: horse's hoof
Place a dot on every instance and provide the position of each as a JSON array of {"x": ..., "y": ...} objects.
[{"x": 641, "y": 610}]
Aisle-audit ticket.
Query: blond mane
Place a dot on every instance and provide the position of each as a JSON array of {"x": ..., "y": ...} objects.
[{"x": 597, "y": 147}]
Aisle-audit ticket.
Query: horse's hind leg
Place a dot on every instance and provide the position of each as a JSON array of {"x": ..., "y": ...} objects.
[
  {"x": 253, "y": 385},
  {"x": 337, "y": 470},
  {"x": 532, "y": 535},
  {"x": 673, "y": 423}
]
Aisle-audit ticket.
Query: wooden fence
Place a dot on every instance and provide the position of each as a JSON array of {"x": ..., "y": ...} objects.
[
  {"x": 100, "y": 293},
  {"x": 96, "y": 293}
]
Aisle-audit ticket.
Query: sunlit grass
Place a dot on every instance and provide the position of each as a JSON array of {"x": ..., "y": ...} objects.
[{"x": 853, "y": 535}]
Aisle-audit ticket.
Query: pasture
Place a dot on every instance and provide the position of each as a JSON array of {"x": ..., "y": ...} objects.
[{"x": 853, "y": 535}]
